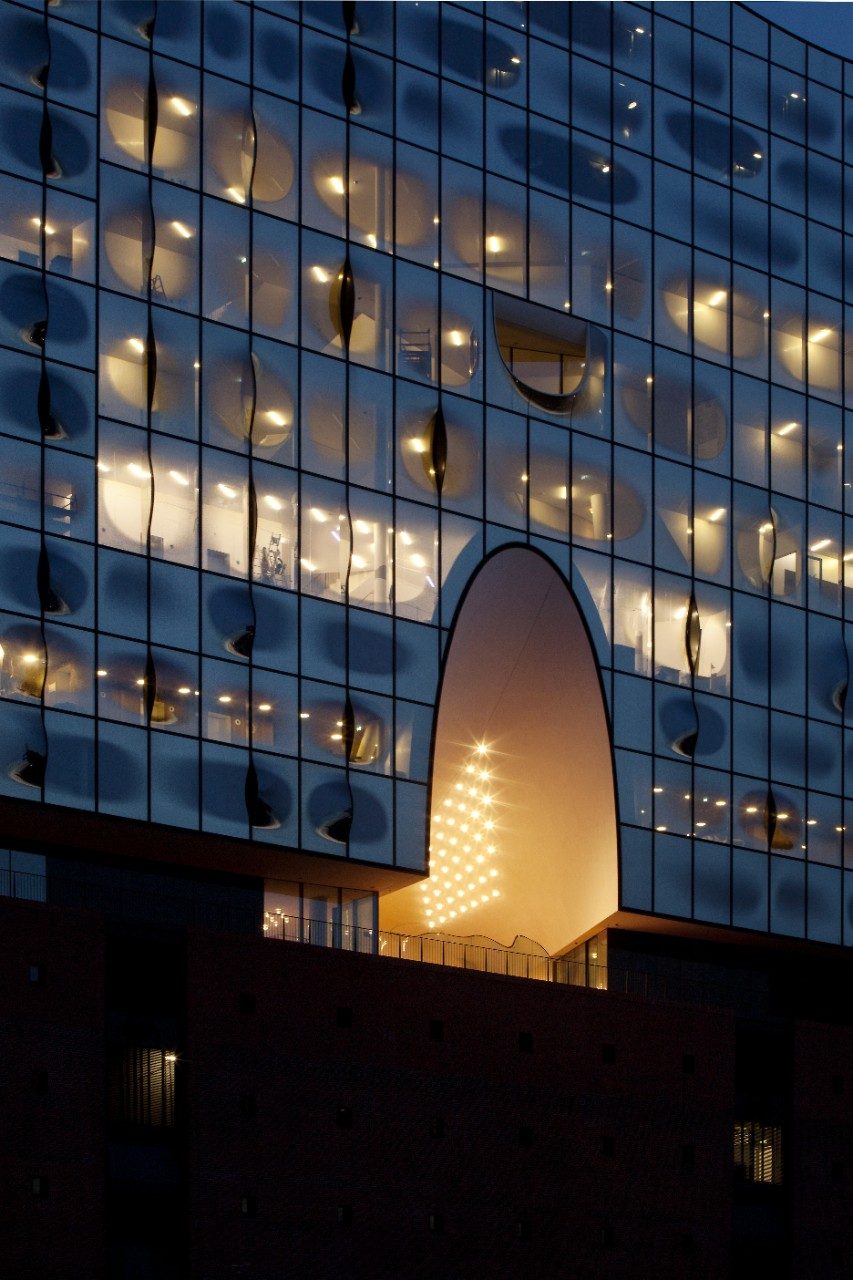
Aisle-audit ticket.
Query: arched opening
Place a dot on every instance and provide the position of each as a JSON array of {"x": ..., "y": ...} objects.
[{"x": 523, "y": 825}]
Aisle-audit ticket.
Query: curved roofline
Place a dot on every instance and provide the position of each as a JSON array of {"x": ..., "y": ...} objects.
[{"x": 810, "y": 44}]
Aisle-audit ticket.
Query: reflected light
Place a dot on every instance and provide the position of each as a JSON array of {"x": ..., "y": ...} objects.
[
  {"x": 337, "y": 185},
  {"x": 494, "y": 244},
  {"x": 718, "y": 514},
  {"x": 321, "y": 276},
  {"x": 820, "y": 335},
  {"x": 141, "y": 473},
  {"x": 821, "y": 545},
  {"x": 716, "y": 298},
  {"x": 227, "y": 491},
  {"x": 183, "y": 231},
  {"x": 137, "y": 344},
  {"x": 276, "y": 418},
  {"x": 272, "y": 502},
  {"x": 236, "y": 194},
  {"x": 182, "y": 107},
  {"x": 179, "y": 479},
  {"x": 456, "y": 337},
  {"x": 225, "y": 698},
  {"x": 788, "y": 428}
]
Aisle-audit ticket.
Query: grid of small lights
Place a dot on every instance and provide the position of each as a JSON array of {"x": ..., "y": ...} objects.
[{"x": 462, "y": 848}]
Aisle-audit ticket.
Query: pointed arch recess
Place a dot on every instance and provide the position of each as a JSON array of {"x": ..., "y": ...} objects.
[{"x": 520, "y": 677}]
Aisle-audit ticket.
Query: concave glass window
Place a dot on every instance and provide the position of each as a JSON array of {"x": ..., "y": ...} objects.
[{"x": 544, "y": 353}]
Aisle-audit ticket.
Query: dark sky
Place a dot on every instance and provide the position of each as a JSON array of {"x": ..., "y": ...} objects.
[{"x": 827, "y": 24}]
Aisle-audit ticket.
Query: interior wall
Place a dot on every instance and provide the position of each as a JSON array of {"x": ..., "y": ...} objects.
[{"x": 521, "y": 678}]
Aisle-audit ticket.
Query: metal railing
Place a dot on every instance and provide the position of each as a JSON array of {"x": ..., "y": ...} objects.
[{"x": 128, "y": 903}]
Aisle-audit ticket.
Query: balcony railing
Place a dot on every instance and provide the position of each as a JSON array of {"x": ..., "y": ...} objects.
[{"x": 125, "y": 903}]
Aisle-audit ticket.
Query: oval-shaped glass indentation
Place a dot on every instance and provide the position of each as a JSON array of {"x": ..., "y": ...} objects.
[
  {"x": 810, "y": 352},
  {"x": 177, "y": 124},
  {"x": 693, "y": 635},
  {"x": 22, "y": 661},
  {"x": 544, "y": 353},
  {"x": 128, "y": 245},
  {"x": 462, "y": 460},
  {"x": 755, "y": 543},
  {"x": 235, "y": 142},
  {"x": 421, "y": 349},
  {"x": 553, "y": 161},
  {"x": 726, "y": 149},
  {"x": 685, "y": 419},
  {"x": 600, "y": 512},
  {"x": 349, "y": 731},
  {"x": 719, "y": 315},
  {"x": 371, "y": 189},
  {"x": 770, "y": 818},
  {"x": 233, "y": 396}
]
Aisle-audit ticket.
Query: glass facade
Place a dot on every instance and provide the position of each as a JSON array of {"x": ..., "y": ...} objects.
[{"x": 304, "y": 310}]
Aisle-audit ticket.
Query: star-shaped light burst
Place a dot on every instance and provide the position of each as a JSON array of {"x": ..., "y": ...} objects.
[{"x": 463, "y": 849}]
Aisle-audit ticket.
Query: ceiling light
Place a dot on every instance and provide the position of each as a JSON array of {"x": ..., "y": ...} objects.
[
  {"x": 265, "y": 706},
  {"x": 101, "y": 672},
  {"x": 456, "y": 337},
  {"x": 317, "y": 514},
  {"x": 141, "y": 473},
  {"x": 225, "y": 698},
  {"x": 227, "y": 491},
  {"x": 182, "y": 107},
  {"x": 494, "y": 244},
  {"x": 276, "y": 418},
  {"x": 821, "y": 545},
  {"x": 337, "y": 185},
  {"x": 184, "y": 690},
  {"x": 137, "y": 344},
  {"x": 632, "y": 105},
  {"x": 718, "y": 514},
  {"x": 236, "y": 194},
  {"x": 716, "y": 298},
  {"x": 788, "y": 428},
  {"x": 179, "y": 479},
  {"x": 183, "y": 230},
  {"x": 321, "y": 276},
  {"x": 820, "y": 335}
]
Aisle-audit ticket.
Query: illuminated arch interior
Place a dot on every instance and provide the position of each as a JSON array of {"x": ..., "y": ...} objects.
[{"x": 523, "y": 822}]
